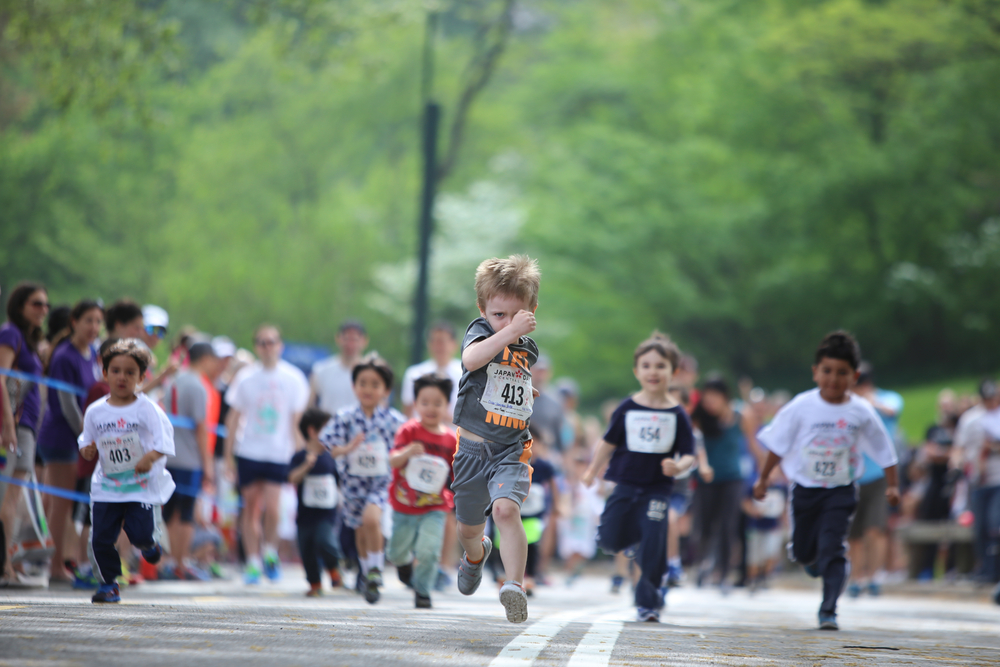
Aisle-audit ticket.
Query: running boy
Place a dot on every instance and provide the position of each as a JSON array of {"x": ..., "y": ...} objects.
[
  {"x": 494, "y": 403},
  {"x": 358, "y": 437},
  {"x": 421, "y": 466},
  {"x": 314, "y": 474},
  {"x": 131, "y": 437},
  {"x": 819, "y": 438},
  {"x": 646, "y": 432}
]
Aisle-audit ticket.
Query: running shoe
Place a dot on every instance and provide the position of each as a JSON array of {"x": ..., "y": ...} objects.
[
  {"x": 216, "y": 571},
  {"x": 874, "y": 589},
  {"x": 360, "y": 582},
  {"x": 107, "y": 593},
  {"x": 646, "y": 615},
  {"x": 169, "y": 573},
  {"x": 336, "y": 581},
  {"x": 421, "y": 601},
  {"x": 272, "y": 568},
  {"x": 674, "y": 574},
  {"x": 85, "y": 579},
  {"x": 251, "y": 575},
  {"x": 470, "y": 575},
  {"x": 828, "y": 621},
  {"x": 195, "y": 573},
  {"x": 443, "y": 581},
  {"x": 374, "y": 579},
  {"x": 853, "y": 589},
  {"x": 152, "y": 554},
  {"x": 514, "y": 601},
  {"x": 315, "y": 591},
  {"x": 405, "y": 573},
  {"x": 616, "y": 583}
]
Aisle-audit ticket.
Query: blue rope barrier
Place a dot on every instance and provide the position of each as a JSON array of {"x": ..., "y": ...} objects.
[{"x": 189, "y": 491}]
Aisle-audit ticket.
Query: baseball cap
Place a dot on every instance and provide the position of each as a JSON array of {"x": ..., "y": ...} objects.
[
  {"x": 223, "y": 347},
  {"x": 154, "y": 316}
]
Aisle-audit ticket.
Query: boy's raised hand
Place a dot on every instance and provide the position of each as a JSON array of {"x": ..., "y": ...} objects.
[
  {"x": 89, "y": 452},
  {"x": 523, "y": 323}
]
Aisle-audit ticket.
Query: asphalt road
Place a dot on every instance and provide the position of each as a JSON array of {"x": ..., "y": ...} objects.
[{"x": 227, "y": 623}]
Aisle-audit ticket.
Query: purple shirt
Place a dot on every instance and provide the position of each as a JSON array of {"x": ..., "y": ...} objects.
[
  {"x": 68, "y": 365},
  {"x": 26, "y": 361}
]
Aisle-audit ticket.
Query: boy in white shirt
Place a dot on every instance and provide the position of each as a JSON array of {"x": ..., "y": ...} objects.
[
  {"x": 820, "y": 439},
  {"x": 132, "y": 436}
]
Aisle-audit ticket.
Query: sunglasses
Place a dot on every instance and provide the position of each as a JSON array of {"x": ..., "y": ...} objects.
[
  {"x": 156, "y": 330},
  {"x": 39, "y": 304}
]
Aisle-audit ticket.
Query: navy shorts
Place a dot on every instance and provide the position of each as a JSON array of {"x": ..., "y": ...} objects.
[
  {"x": 188, "y": 485},
  {"x": 249, "y": 471}
]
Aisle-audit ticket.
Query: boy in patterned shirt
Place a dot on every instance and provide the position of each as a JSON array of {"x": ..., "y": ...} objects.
[{"x": 495, "y": 398}]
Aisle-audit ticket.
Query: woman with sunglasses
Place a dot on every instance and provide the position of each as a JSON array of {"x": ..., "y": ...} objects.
[{"x": 19, "y": 338}]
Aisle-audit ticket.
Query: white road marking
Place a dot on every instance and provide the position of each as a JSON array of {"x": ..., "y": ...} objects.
[
  {"x": 523, "y": 649},
  {"x": 594, "y": 650}
]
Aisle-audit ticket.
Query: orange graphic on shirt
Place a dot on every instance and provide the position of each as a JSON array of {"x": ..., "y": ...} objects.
[{"x": 519, "y": 360}]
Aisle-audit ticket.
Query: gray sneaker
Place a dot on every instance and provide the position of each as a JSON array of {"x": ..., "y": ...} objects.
[
  {"x": 471, "y": 575},
  {"x": 514, "y": 601}
]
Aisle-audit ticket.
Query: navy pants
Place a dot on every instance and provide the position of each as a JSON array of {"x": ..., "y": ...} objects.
[
  {"x": 820, "y": 521},
  {"x": 107, "y": 522},
  {"x": 637, "y": 516},
  {"x": 318, "y": 543}
]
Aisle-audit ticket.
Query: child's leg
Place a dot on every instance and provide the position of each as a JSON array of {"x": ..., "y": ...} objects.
[
  {"x": 369, "y": 537},
  {"x": 805, "y": 525},
  {"x": 307, "y": 550},
  {"x": 404, "y": 537},
  {"x": 272, "y": 515},
  {"x": 430, "y": 536},
  {"x": 471, "y": 539},
  {"x": 327, "y": 545},
  {"x": 831, "y": 561},
  {"x": 250, "y": 518},
  {"x": 531, "y": 562},
  {"x": 106, "y": 524},
  {"x": 139, "y": 525},
  {"x": 652, "y": 556},
  {"x": 450, "y": 540},
  {"x": 513, "y": 542}
]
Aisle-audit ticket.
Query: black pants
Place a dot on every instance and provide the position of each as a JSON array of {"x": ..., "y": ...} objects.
[
  {"x": 109, "y": 519},
  {"x": 317, "y": 543},
  {"x": 637, "y": 516},
  {"x": 718, "y": 519},
  {"x": 820, "y": 521}
]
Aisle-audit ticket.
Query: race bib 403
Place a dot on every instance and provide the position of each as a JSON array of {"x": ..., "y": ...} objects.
[{"x": 119, "y": 453}]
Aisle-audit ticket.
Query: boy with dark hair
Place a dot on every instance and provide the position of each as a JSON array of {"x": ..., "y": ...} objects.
[
  {"x": 820, "y": 439},
  {"x": 421, "y": 468},
  {"x": 314, "y": 474},
  {"x": 494, "y": 405}
]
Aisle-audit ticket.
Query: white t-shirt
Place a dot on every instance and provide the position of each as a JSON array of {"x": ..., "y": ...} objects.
[
  {"x": 989, "y": 426},
  {"x": 268, "y": 400},
  {"x": 331, "y": 381},
  {"x": 821, "y": 444},
  {"x": 453, "y": 371},
  {"x": 123, "y": 436}
]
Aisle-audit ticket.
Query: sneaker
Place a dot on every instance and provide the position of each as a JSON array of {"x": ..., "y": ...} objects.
[
  {"x": 216, "y": 571},
  {"x": 443, "y": 581},
  {"x": 251, "y": 575},
  {"x": 470, "y": 575},
  {"x": 874, "y": 589},
  {"x": 616, "y": 583},
  {"x": 360, "y": 583},
  {"x": 374, "y": 578},
  {"x": 646, "y": 615},
  {"x": 674, "y": 574},
  {"x": 853, "y": 589},
  {"x": 336, "y": 581},
  {"x": 421, "y": 601},
  {"x": 195, "y": 573},
  {"x": 169, "y": 573},
  {"x": 405, "y": 573},
  {"x": 315, "y": 591},
  {"x": 152, "y": 554},
  {"x": 272, "y": 568},
  {"x": 85, "y": 580},
  {"x": 828, "y": 621},
  {"x": 107, "y": 593},
  {"x": 514, "y": 601}
]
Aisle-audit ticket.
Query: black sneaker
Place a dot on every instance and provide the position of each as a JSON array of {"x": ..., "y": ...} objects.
[
  {"x": 371, "y": 588},
  {"x": 421, "y": 601},
  {"x": 405, "y": 573},
  {"x": 107, "y": 593},
  {"x": 152, "y": 554},
  {"x": 828, "y": 621}
]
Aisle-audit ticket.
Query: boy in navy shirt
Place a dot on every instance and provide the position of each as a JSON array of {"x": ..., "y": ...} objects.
[
  {"x": 646, "y": 431},
  {"x": 314, "y": 474}
]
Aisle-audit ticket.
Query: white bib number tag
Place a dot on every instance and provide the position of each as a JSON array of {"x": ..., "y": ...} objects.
[
  {"x": 828, "y": 466},
  {"x": 319, "y": 491},
  {"x": 427, "y": 473},
  {"x": 119, "y": 453},
  {"x": 650, "y": 432},
  {"x": 508, "y": 391},
  {"x": 370, "y": 459},
  {"x": 535, "y": 502}
]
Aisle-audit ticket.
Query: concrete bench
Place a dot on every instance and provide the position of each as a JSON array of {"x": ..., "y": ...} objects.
[{"x": 919, "y": 536}]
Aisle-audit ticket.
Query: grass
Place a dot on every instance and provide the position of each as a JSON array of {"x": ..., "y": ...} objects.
[{"x": 920, "y": 404}]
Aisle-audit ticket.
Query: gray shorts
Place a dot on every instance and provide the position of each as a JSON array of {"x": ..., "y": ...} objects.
[
  {"x": 25, "y": 450},
  {"x": 486, "y": 471}
]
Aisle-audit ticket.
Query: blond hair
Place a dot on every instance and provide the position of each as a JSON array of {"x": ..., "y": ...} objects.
[
  {"x": 662, "y": 344},
  {"x": 516, "y": 276}
]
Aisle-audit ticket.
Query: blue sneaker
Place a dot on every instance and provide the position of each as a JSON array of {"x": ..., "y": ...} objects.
[
  {"x": 874, "y": 589},
  {"x": 443, "y": 581},
  {"x": 107, "y": 593},
  {"x": 85, "y": 580},
  {"x": 674, "y": 574},
  {"x": 616, "y": 583},
  {"x": 828, "y": 621},
  {"x": 646, "y": 615},
  {"x": 251, "y": 575},
  {"x": 152, "y": 554},
  {"x": 272, "y": 568},
  {"x": 853, "y": 589}
]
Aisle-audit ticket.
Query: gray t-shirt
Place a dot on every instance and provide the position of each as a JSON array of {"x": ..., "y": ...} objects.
[
  {"x": 187, "y": 398},
  {"x": 469, "y": 412}
]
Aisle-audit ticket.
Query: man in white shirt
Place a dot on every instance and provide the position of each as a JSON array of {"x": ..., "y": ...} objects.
[
  {"x": 330, "y": 385},
  {"x": 977, "y": 450},
  {"x": 442, "y": 345},
  {"x": 267, "y": 399}
]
